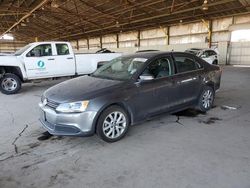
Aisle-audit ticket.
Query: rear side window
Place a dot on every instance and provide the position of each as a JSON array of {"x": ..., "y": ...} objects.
[
  {"x": 185, "y": 64},
  {"x": 62, "y": 49}
]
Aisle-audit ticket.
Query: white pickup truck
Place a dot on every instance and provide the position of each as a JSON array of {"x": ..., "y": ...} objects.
[{"x": 42, "y": 60}]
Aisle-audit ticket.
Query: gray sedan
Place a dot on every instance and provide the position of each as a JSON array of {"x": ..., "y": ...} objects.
[{"x": 126, "y": 91}]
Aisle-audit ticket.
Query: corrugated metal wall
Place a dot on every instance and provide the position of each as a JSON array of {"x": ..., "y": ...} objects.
[
  {"x": 178, "y": 37},
  {"x": 239, "y": 53},
  {"x": 10, "y": 46}
]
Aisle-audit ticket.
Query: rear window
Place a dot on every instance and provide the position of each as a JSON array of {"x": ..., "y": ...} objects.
[{"x": 185, "y": 64}]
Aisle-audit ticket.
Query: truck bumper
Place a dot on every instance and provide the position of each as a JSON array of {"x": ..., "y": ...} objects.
[{"x": 72, "y": 124}]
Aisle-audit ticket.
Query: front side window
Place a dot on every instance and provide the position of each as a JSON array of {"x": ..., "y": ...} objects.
[
  {"x": 40, "y": 50},
  {"x": 159, "y": 68},
  {"x": 185, "y": 64},
  {"x": 121, "y": 68},
  {"x": 62, "y": 49}
]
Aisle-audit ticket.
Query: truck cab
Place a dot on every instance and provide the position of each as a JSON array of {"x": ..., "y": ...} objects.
[
  {"x": 47, "y": 59},
  {"x": 41, "y": 60}
]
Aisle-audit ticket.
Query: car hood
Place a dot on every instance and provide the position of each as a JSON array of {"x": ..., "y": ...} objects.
[{"x": 81, "y": 88}]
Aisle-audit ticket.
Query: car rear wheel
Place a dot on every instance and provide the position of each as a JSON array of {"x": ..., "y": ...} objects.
[
  {"x": 206, "y": 99},
  {"x": 10, "y": 84},
  {"x": 112, "y": 124}
]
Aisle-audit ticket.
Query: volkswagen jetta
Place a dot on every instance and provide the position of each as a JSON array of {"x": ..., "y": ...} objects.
[{"x": 129, "y": 90}]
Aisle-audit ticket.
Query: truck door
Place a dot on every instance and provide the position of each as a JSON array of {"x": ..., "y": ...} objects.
[
  {"x": 65, "y": 60},
  {"x": 40, "y": 62}
]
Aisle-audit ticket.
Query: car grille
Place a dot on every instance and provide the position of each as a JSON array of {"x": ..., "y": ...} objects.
[{"x": 52, "y": 104}]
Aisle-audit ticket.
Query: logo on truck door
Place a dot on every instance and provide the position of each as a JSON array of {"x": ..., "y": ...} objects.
[{"x": 40, "y": 64}]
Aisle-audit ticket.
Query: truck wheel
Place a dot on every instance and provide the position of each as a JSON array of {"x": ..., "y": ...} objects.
[
  {"x": 10, "y": 84},
  {"x": 112, "y": 124}
]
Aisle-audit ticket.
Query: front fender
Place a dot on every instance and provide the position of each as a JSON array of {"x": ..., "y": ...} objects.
[{"x": 13, "y": 61}]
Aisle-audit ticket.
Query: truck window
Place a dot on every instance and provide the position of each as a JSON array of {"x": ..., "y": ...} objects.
[
  {"x": 62, "y": 49},
  {"x": 40, "y": 50}
]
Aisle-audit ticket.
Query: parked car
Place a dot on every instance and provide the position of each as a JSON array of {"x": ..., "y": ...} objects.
[
  {"x": 42, "y": 60},
  {"x": 209, "y": 55},
  {"x": 128, "y": 90}
]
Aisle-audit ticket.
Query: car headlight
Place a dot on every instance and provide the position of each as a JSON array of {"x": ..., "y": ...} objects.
[{"x": 80, "y": 106}]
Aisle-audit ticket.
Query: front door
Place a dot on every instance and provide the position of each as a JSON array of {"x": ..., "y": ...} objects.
[
  {"x": 159, "y": 94},
  {"x": 40, "y": 62}
]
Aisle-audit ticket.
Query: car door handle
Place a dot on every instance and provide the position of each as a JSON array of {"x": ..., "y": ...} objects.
[
  {"x": 187, "y": 80},
  {"x": 50, "y": 59},
  {"x": 69, "y": 57}
]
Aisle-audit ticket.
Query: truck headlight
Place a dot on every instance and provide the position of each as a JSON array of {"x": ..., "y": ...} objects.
[{"x": 80, "y": 106}]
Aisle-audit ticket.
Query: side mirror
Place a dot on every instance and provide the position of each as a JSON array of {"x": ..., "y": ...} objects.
[{"x": 146, "y": 77}]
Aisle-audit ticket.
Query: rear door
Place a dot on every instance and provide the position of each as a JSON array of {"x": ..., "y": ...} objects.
[
  {"x": 187, "y": 79},
  {"x": 65, "y": 60}
]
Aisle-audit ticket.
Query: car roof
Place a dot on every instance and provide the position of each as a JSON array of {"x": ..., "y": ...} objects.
[
  {"x": 199, "y": 49},
  {"x": 147, "y": 55}
]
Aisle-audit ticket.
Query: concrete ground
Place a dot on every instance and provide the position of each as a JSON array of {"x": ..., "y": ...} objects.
[{"x": 186, "y": 150}]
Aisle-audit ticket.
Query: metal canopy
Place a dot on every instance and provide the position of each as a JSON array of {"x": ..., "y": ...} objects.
[{"x": 73, "y": 19}]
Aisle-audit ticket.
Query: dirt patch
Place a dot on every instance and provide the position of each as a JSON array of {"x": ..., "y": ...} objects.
[
  {"x": 34, "y": 145},
  {"x": 35, "y": 163}
]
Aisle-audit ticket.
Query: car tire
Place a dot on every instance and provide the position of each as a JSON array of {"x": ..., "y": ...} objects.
[
  {"x": 10, "y": 84},
  {"x": 206, "y": 99},
  {"x": 113, "y": 124}
]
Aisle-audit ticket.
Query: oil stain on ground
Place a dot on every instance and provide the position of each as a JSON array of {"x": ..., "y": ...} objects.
[
  {"x": 210, "y": 120},
  {"x": 189, "y": 113}
]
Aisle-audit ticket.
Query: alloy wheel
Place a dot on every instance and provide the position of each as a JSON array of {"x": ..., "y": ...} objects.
[
  {"x": 114, "y": 124},
  {"x": 207, "y": 99}
]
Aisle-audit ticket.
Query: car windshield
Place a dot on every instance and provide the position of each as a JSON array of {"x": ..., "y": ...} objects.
[
  {"x": 121, "y": 68},
  {"x": 21, "y": 50}
]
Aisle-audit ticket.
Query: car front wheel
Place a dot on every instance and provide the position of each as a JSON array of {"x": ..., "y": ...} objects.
[
  {"x": 206, "y": 99},
  {"x": 112, "y": 124},
  {"x": 10, "y": 84}
]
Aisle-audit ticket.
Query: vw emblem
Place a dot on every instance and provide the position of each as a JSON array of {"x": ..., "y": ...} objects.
[{"x": 45, "y": 101}]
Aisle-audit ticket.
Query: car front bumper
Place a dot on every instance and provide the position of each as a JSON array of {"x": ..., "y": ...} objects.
[{"x": 67, "y": 124}]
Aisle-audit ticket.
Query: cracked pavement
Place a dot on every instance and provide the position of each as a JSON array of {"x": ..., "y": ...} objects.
[{"x": 186, "y": 149}]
